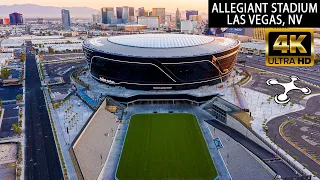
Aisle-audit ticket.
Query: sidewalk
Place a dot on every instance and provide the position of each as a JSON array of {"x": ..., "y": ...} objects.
[
  {"x": 1, "y": 117},
  {"x": 263, "y": 111},
  {"x": 61, "y": 139}
]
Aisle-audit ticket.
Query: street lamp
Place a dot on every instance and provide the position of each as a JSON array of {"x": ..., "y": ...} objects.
[{"x": 101, "y": 158}]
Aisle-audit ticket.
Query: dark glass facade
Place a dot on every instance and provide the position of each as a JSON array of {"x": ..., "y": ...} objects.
[
  {"x": 160, "y": 73},
  {"x": 127, "y": 72},
  {"x": 16, "y": 18}
]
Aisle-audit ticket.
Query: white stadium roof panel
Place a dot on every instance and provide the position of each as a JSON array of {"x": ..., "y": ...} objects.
[
  {"x": 161, "y": 45},
  {"x": 161, "y": 40}
]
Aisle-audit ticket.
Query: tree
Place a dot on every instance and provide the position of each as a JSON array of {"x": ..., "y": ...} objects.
[
  {"x": 5, "y": 73},
  {"x": 0, "y": 102},
  {"x": 19, "y": 97},
  {"x": 23, "y": 57},
  {"x": 51, "y": 50},
  {"x": 16, "y": 129}
]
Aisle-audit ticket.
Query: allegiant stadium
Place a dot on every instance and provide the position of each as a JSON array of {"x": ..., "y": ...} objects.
[{"x": 161, "y": 61}]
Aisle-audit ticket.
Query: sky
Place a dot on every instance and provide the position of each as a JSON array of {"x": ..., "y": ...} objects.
[{"x": 170, "y": 5}]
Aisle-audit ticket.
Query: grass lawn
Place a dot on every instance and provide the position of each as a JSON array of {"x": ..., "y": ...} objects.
[{"x": 165, "y": 146}]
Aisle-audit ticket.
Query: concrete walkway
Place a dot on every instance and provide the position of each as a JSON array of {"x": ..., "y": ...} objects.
[
  {"x": 264, "y": 111},
  {"x": 61, "y": 139},
  {"x": 110, "y": 167},
  {"x": 279, "y": 167}
]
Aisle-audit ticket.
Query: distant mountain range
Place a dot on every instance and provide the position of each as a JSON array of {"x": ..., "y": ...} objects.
[{"x": 35, "y": 11}]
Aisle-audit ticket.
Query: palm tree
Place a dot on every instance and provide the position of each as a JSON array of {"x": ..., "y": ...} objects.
[
  {"x": 16, "y": 129},
  {"x": 72, "y": 122}
]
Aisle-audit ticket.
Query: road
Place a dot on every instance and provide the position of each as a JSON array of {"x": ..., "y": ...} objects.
[
  {"x": 260, "y": 62},
  {"x": 42, "y": 161},
  {"x": 279, "y": 167},
  {"x": 312, "y": 107},
  {"x": 258, "y": 83}
]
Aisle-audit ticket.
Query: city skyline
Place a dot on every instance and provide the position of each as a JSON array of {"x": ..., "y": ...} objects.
[{"x": 170, "y": 6}]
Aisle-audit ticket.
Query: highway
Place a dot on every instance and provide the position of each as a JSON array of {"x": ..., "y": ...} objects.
[
  {"x": 42, "y": 161},
  {"x": 260, "y": 62}
]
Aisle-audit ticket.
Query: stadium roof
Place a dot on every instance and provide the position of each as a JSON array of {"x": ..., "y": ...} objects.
[
  {"x": 161, "y": 45},
  {"x": 161, "y": 40}
]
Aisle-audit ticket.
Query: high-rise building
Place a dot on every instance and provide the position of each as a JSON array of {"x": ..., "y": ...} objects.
[
  {"x": 40, "y": 21},
  {"x": 125, "y": 14},
  {"x": 96, "y": 18},
  {"x": 178, "y": 19},
  {"x": 16, "y": 18},
  {"x": 189, "y": 27},
  {"x": 168, "y": 19},
  {"x": 6, "y": 20},
  {"x": 107, "y": 14},
  {"x": 152, "y": 22},
  {"x": 161, "y": 12},
  {"x": 141, "y": 11},
  {"x": 197, "y": 18},
  {"x": 131, "y": 14},
  {"x": 65, "y": 19},
  {"x": 119, "y": 11},
  {"x": 190, "y": 12},
  {"x": 131, "y": 11},
  {"x": 146, "y": 13},
  {"x": 259, "y": 33}
]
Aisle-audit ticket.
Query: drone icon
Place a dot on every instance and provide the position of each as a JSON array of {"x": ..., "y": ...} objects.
[{"x": 284, "y": 98}]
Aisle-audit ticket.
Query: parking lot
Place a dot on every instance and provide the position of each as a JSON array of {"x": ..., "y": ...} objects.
[
  {"x": 8, "y": 95},
  {"x": 62, "y": 69},
  {"x": 305, "y": 134},
  {"x": 10, "y": 117},
  {"x": 61, "y": 66},
  {"x": 259, "y": 79},
  {"x": 62, "y": 57},
  {"x": 14, "y": 64},
  {"x": 10, "y": 92},
  {"x": 310, "y": 74}
]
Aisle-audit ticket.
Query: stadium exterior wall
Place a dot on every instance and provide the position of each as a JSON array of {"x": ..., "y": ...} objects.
[{"x": 144, "y": 73}]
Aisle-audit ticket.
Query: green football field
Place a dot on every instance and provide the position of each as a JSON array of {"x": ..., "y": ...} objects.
[{"x": 165, "y": 146}]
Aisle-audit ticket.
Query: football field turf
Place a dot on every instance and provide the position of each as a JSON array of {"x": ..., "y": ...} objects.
[{"x": 165, "y": 146}]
